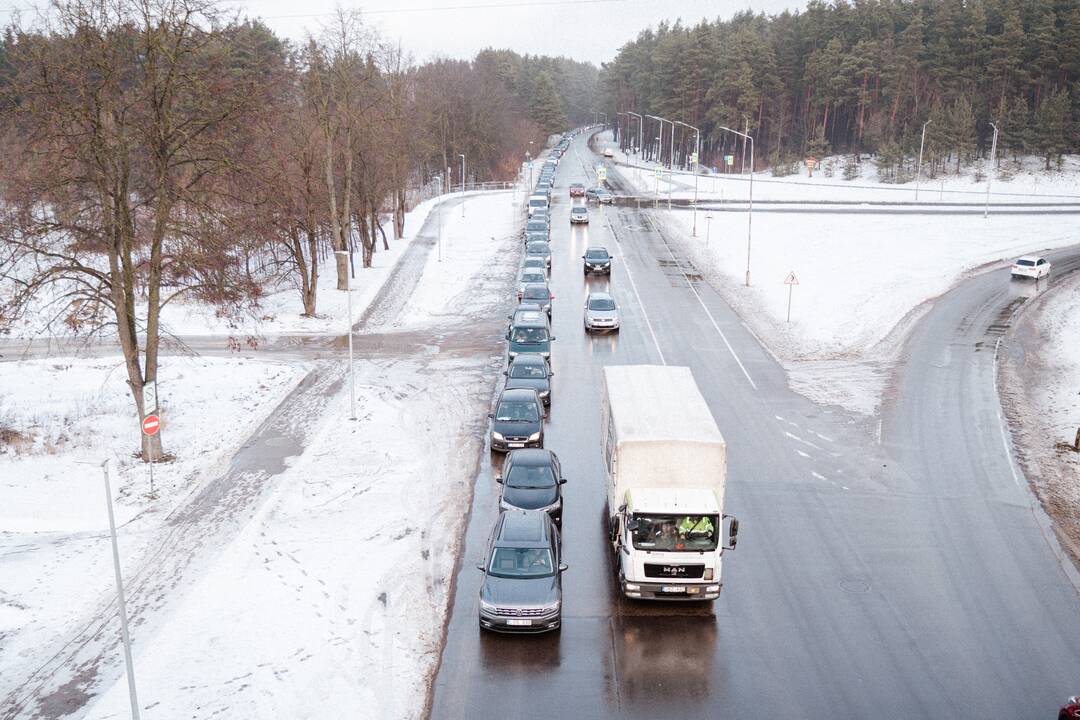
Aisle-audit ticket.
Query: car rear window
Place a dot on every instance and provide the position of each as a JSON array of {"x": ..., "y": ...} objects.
[{"x": 539, "y": 247}]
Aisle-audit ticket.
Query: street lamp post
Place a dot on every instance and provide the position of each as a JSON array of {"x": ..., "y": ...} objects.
[
  {"x": 657, "y": 173},
  {"x": 990, "y": 171},
  {"x": 697, "y": 160},
  {"x": 462, "y": 184},
  {"x": 125, "y": 637},
  {"x": 750, "y": 214},
  {"x": 641, "y": 129},
  {"x": 918, "y": 167},
  {"x": 352, "y": 376}
]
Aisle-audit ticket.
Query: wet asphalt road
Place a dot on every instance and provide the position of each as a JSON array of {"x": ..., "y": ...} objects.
[{"x": 911, "y": 578}]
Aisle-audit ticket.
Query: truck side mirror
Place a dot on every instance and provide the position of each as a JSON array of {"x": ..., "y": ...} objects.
[
  {"x": 563, "y": 567},
  {"x": 491, "y": 416},
  {"x": 562, "y": 481},
  {"x": 481, "y": 568},
  {"x": 498, "y": 479},
  {"x": 733, "y": 532}
]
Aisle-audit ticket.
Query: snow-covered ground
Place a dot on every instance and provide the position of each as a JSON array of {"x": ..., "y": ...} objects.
[
  {"x": 278, "y": 312},
  {"x": 1040, "y": 388},
  {"x": 330, "y": 601},
  {"x": 860, "y": 277},
  {"x": 55, "y": 560}
]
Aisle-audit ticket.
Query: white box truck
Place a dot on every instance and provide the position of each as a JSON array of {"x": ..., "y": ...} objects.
[{"x": 666, "y": 465}]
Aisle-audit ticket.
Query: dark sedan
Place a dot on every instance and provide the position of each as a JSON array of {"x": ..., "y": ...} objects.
[
  {"x": 518, "y": 420},
  {"x": 540, "y": 249},
  {"x": 530, "y": 371},
  {"x": 537, "y": 294},
  {"x": 532, "y": 480},
  {"x": 597, "y": 260}
]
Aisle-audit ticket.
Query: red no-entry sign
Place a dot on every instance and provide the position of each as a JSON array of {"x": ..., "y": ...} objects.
[{"x": 151, "y": 424}]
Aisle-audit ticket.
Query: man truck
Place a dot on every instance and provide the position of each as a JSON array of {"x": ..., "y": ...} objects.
[{"x": 665, "y": 464}]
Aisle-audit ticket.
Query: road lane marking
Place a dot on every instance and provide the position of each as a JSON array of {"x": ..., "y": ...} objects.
[
  {"x": 633, "y": 286},
  {"x": 1001, "y": 421},
  {"x": 706, "y": 309}
]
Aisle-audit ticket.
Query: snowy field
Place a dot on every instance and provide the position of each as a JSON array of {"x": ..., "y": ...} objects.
[
  {"x": 330, "y": 601},
  {"x": 55, "y": 558},
  {"x": 1028, "y": 183},
  {"x": 862, "y": 278},
  {"x": 1040, "y": 388}
]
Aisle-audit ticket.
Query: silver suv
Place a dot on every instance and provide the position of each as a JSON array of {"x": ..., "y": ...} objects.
[{"x": 522, "y": 588}]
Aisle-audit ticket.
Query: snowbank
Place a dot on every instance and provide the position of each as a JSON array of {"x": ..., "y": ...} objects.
[{"x": 1040, "y": 389}]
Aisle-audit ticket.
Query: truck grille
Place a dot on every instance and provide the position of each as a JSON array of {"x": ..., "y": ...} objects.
[{"x": 676, "y": 572}]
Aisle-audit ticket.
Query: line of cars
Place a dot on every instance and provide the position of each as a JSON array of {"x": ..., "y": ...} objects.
[{"x": 522, "y": 586}]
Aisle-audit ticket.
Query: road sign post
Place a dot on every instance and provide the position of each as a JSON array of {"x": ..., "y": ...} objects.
[
  {"x": 708, "y": 226},
  {"x": 791, "y": 281},
  {"x": 150, "y": 426},
  {"x": 811, "y": 163}
]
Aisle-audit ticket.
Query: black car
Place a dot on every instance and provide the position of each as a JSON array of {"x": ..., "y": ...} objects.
[
  {"x": 530, "y": 371},
  {"x": 597, "y": 260},
  {"x": 522, "y": 587},
  {"x": 532, "y": 480},
  {"x": 518, "y": 420},
  {"x": 537, "y": 294}
]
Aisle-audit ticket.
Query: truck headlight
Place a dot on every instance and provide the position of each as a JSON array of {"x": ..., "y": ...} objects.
[
  {"x": 632, "y": 586},
  {"x": 497, "y": 436},
  {"x": 535, "y": 437}
]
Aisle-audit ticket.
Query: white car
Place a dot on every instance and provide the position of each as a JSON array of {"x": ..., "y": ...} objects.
[
  {"x": 601, "y": 313},
  {"x": 1031, "y": 266},
  {"x": 579, "y": 214}
]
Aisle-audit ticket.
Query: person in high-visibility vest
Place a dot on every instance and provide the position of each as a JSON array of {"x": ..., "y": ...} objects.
[{"x": 696, "y": 526}]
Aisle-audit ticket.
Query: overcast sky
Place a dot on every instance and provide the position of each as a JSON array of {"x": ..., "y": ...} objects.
[{"x": 590, "y": 30}]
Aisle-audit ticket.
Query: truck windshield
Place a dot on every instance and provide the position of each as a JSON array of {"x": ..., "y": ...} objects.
[{"x": 675, "y": 533}]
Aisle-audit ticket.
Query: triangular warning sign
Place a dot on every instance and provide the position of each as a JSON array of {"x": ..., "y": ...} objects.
[{"x": 791, "y": 279}]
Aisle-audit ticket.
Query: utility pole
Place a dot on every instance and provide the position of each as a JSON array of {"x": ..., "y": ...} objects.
[
  {"x": 990, "y": 171},
  {"x": 918, "y": 167},
  {"x": 750, "y": 215}
]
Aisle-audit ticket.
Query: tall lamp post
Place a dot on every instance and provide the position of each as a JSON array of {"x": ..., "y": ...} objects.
[
  {"x": 697, "y": 159},
  {"x": 641, "y": 129},
  {"x": 750, "y": 215},
  {"x": 352, "y": 377},
  {"x": 918, "y": 167},
  {"x": 990, "y": 172},
  {"x": 462, "y": 156}
]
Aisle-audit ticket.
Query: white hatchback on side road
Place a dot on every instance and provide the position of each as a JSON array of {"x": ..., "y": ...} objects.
[{"x": 1030, "y": 266}]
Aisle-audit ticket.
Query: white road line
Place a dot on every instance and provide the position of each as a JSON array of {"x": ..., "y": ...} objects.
[
  {"x": 1001, "y": 422},
  {"x": 796, "y": 438},
  {"x": 633, "y": 285},
  {"x": 800, "y": 452},
  {"x": 709, "y": 314}
]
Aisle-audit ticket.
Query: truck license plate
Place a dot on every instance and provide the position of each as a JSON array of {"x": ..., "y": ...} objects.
[
  {"x": 673, "y": 589},
  {"x": 521, "y": 622}
]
